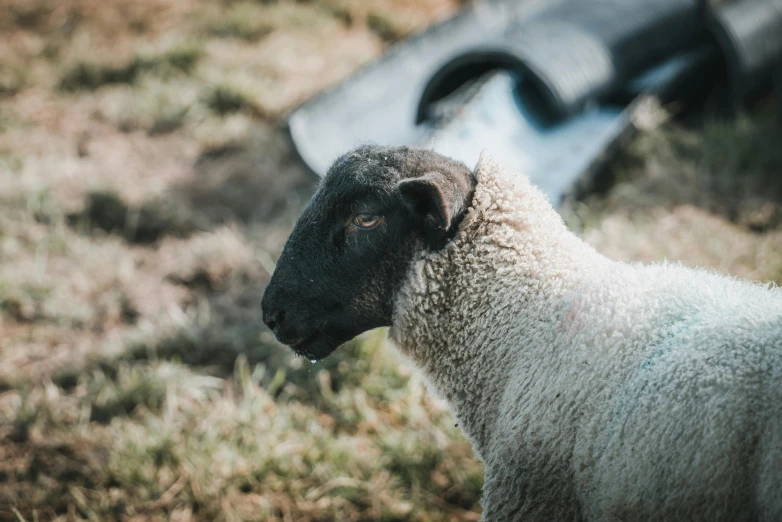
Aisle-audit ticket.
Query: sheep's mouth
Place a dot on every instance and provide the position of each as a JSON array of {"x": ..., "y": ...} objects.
[{"x": 315, "y": 347}]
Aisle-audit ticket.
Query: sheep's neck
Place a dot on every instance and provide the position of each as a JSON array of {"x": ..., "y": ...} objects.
[
  {"x": 455, "y": 331},
  {"x": 494, "y": 290}
]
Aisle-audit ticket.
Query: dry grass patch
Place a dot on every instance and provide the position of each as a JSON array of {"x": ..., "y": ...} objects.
[
  {"x": 288, "y": 66},
  {"x": 392, "y": 20},
  {"x": 140, "y": 215},
  {"x": 252, "y": 20},
  {"x": 209, "y": 260},
  {"x": 145, "y": 223},
  {"x": 709, "y": 196},
  {"x": 215, "y": 448},
  {"x": 691, "y": 235},
  {"x": 180, "y": 59},
  {"x": 66, "y": 17}
]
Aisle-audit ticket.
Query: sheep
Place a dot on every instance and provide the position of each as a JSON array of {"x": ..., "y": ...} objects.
[{"x": 590, "y": 389}]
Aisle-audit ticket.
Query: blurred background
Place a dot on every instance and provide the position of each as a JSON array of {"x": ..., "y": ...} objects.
[{"x": 147, "y": 185}]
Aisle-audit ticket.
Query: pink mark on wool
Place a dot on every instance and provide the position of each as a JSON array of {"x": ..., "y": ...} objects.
[{"x": 572, "y": 320}]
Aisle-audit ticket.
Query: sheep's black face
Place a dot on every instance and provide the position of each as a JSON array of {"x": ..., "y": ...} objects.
[{"x": 350, "y": 250}]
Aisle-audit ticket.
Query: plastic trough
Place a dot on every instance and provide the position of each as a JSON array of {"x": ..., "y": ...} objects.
[{"x": 562, "y": 80}]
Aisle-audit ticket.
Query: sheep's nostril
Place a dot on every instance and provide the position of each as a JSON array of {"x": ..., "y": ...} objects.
[{"x": 273, "y": 319}]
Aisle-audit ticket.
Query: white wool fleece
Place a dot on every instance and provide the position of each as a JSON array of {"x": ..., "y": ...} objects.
[{"x": 593, "y": 389}]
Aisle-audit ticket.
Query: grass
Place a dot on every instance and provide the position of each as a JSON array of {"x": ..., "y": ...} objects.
[
  {"x": 162, "y": 440},
  {"x": 154, "y": 105},
  {"x": 11, "y": 162},
  {"x": 148, "y": 188},
  {"x": 22, "y": 302},
  {"x": 224, "y": 100},
  {"x": 385, "y": 28},
  {"x": 244, "y": 21},
  {"x": 252, "y": 21},
  {"x": 90, "y": 75},
  {"x": 145, "y": 223},
  {"x": 707, "y": 195},
  {"x": 12, "y": 79}
]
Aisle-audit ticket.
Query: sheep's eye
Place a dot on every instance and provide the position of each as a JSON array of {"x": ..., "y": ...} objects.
[{"x": 366, "y": 221}]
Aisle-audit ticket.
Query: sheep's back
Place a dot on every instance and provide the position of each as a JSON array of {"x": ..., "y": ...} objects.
[
  {"x": 664, "y": 402},
  {"x": 692, "y": 431}
]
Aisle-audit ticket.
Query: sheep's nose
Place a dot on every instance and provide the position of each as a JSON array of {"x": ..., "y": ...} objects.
[{"x": 273, "y": 318}]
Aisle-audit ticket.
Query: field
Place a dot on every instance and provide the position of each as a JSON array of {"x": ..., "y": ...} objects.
[{"x": 146, "y": 188}]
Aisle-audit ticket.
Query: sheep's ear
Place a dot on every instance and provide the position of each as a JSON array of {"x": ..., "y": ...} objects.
[{"x": 434, "y": 197}]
